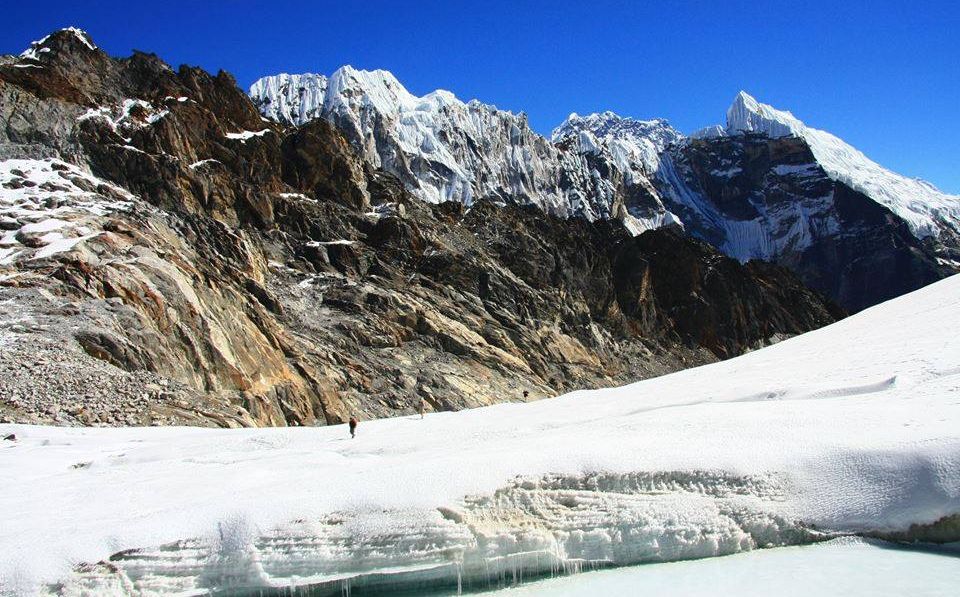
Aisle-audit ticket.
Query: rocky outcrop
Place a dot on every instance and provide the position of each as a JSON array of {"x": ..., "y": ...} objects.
[
  {"x": 757, "y": 197},
  {"x": 764, "y": 187},
  {"x": 768, "y": 188},
  {"x": 212, "y": 268}
]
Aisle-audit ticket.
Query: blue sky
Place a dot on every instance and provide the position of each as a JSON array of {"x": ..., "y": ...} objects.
[{"x": 881, "y": 75}]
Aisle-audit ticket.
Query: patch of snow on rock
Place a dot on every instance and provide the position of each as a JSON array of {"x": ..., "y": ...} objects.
[
  {"x": 49, "y": 206},
  {"x": 244, "y": 135}
]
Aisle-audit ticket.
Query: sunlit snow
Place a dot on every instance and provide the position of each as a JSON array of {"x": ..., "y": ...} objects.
[
  {"x": 919, "y": 203},
  {"x": 850, "y": 428}
]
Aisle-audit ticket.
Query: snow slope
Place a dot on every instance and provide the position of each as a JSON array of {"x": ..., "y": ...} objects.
[
  {"x": 924, "y": 207},
  {"x": 851, "y": 428}
]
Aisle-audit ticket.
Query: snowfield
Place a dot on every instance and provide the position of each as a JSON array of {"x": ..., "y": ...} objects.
[{"x": 854, "y": 428}]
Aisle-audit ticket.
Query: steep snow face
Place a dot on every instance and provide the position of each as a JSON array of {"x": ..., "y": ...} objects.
[
  {"x": 629, "y": 149},
  {"x": 441, "y": 148},
  {"x": 927, "y": 210},
  {"x": 777, "y": 447},
  {"x": 776, "y": 208},
  {"x": 629, "y": 142},
  {"x": 291, "y": 98}
]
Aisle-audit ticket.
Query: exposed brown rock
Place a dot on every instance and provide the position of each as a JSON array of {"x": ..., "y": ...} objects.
[{"x": 268, "y": 276}]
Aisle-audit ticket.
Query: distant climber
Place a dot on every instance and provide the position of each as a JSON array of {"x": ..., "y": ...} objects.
[
  {"x": 422, "y": 406},
  {"x": 353, "y": 426},
  {"x": 526, "y": 394}
]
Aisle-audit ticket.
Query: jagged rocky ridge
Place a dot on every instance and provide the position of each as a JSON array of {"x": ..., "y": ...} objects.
[
  {"x": 168, "y": 256},
  {"x": 443, "y": 149},
  {"x": 763, "y": 187}
]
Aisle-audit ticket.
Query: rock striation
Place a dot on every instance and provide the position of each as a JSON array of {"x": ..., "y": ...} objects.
[{"x": 168, "y": 256}]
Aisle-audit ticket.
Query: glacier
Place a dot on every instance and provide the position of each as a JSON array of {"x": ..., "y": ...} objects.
[{"x": 848, "y": 430}]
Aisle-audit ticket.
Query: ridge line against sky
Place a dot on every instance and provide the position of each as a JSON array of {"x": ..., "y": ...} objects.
[{"x": 880, "y": 75}]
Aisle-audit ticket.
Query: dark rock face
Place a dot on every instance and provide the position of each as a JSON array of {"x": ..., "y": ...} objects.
[
  {"x": 263, "y": 275},
  {"x": 776, "y": 203}
]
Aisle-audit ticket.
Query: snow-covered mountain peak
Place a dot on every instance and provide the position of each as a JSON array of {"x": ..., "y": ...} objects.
[
  {"x": 609, "y": 123},
  {"x": 42, "y": 46},
  {"x": 628, "y": 141},
  {"x": 376, "y": 88},
  {"x": 290, "y": 98},
  {"x": 441, "y": 148},
  {"x": 925, "y": 208},
  {"x": 746, "y": 114}
]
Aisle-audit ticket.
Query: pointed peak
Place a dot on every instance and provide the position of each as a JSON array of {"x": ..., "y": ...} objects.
[
  {"x": 745, "y": 101},
  {"x": 746, "y": 114},
  {"x": 80, "y": 34},
  {"x": 58, "y": 39}
]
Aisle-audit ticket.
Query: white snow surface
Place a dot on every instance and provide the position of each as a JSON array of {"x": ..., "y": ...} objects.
[
  {"x": 244, "y": 135},
  {"x": 924, "y": 207},
  {"x": 854, "y": 427}
]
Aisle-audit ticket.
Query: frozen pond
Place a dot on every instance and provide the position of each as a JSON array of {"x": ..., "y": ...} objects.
[{"x": 840, "y": 567}]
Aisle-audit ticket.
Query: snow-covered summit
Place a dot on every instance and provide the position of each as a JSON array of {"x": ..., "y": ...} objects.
[
  {"x": 747, "y": 115},
  {"x": 628, "y": 141},
  {"x": 926, "y": 209},
  {"x": 441, "y": 148},
  {"x": 41, "y": 46},
  {"x": 291, "y": 98}
]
